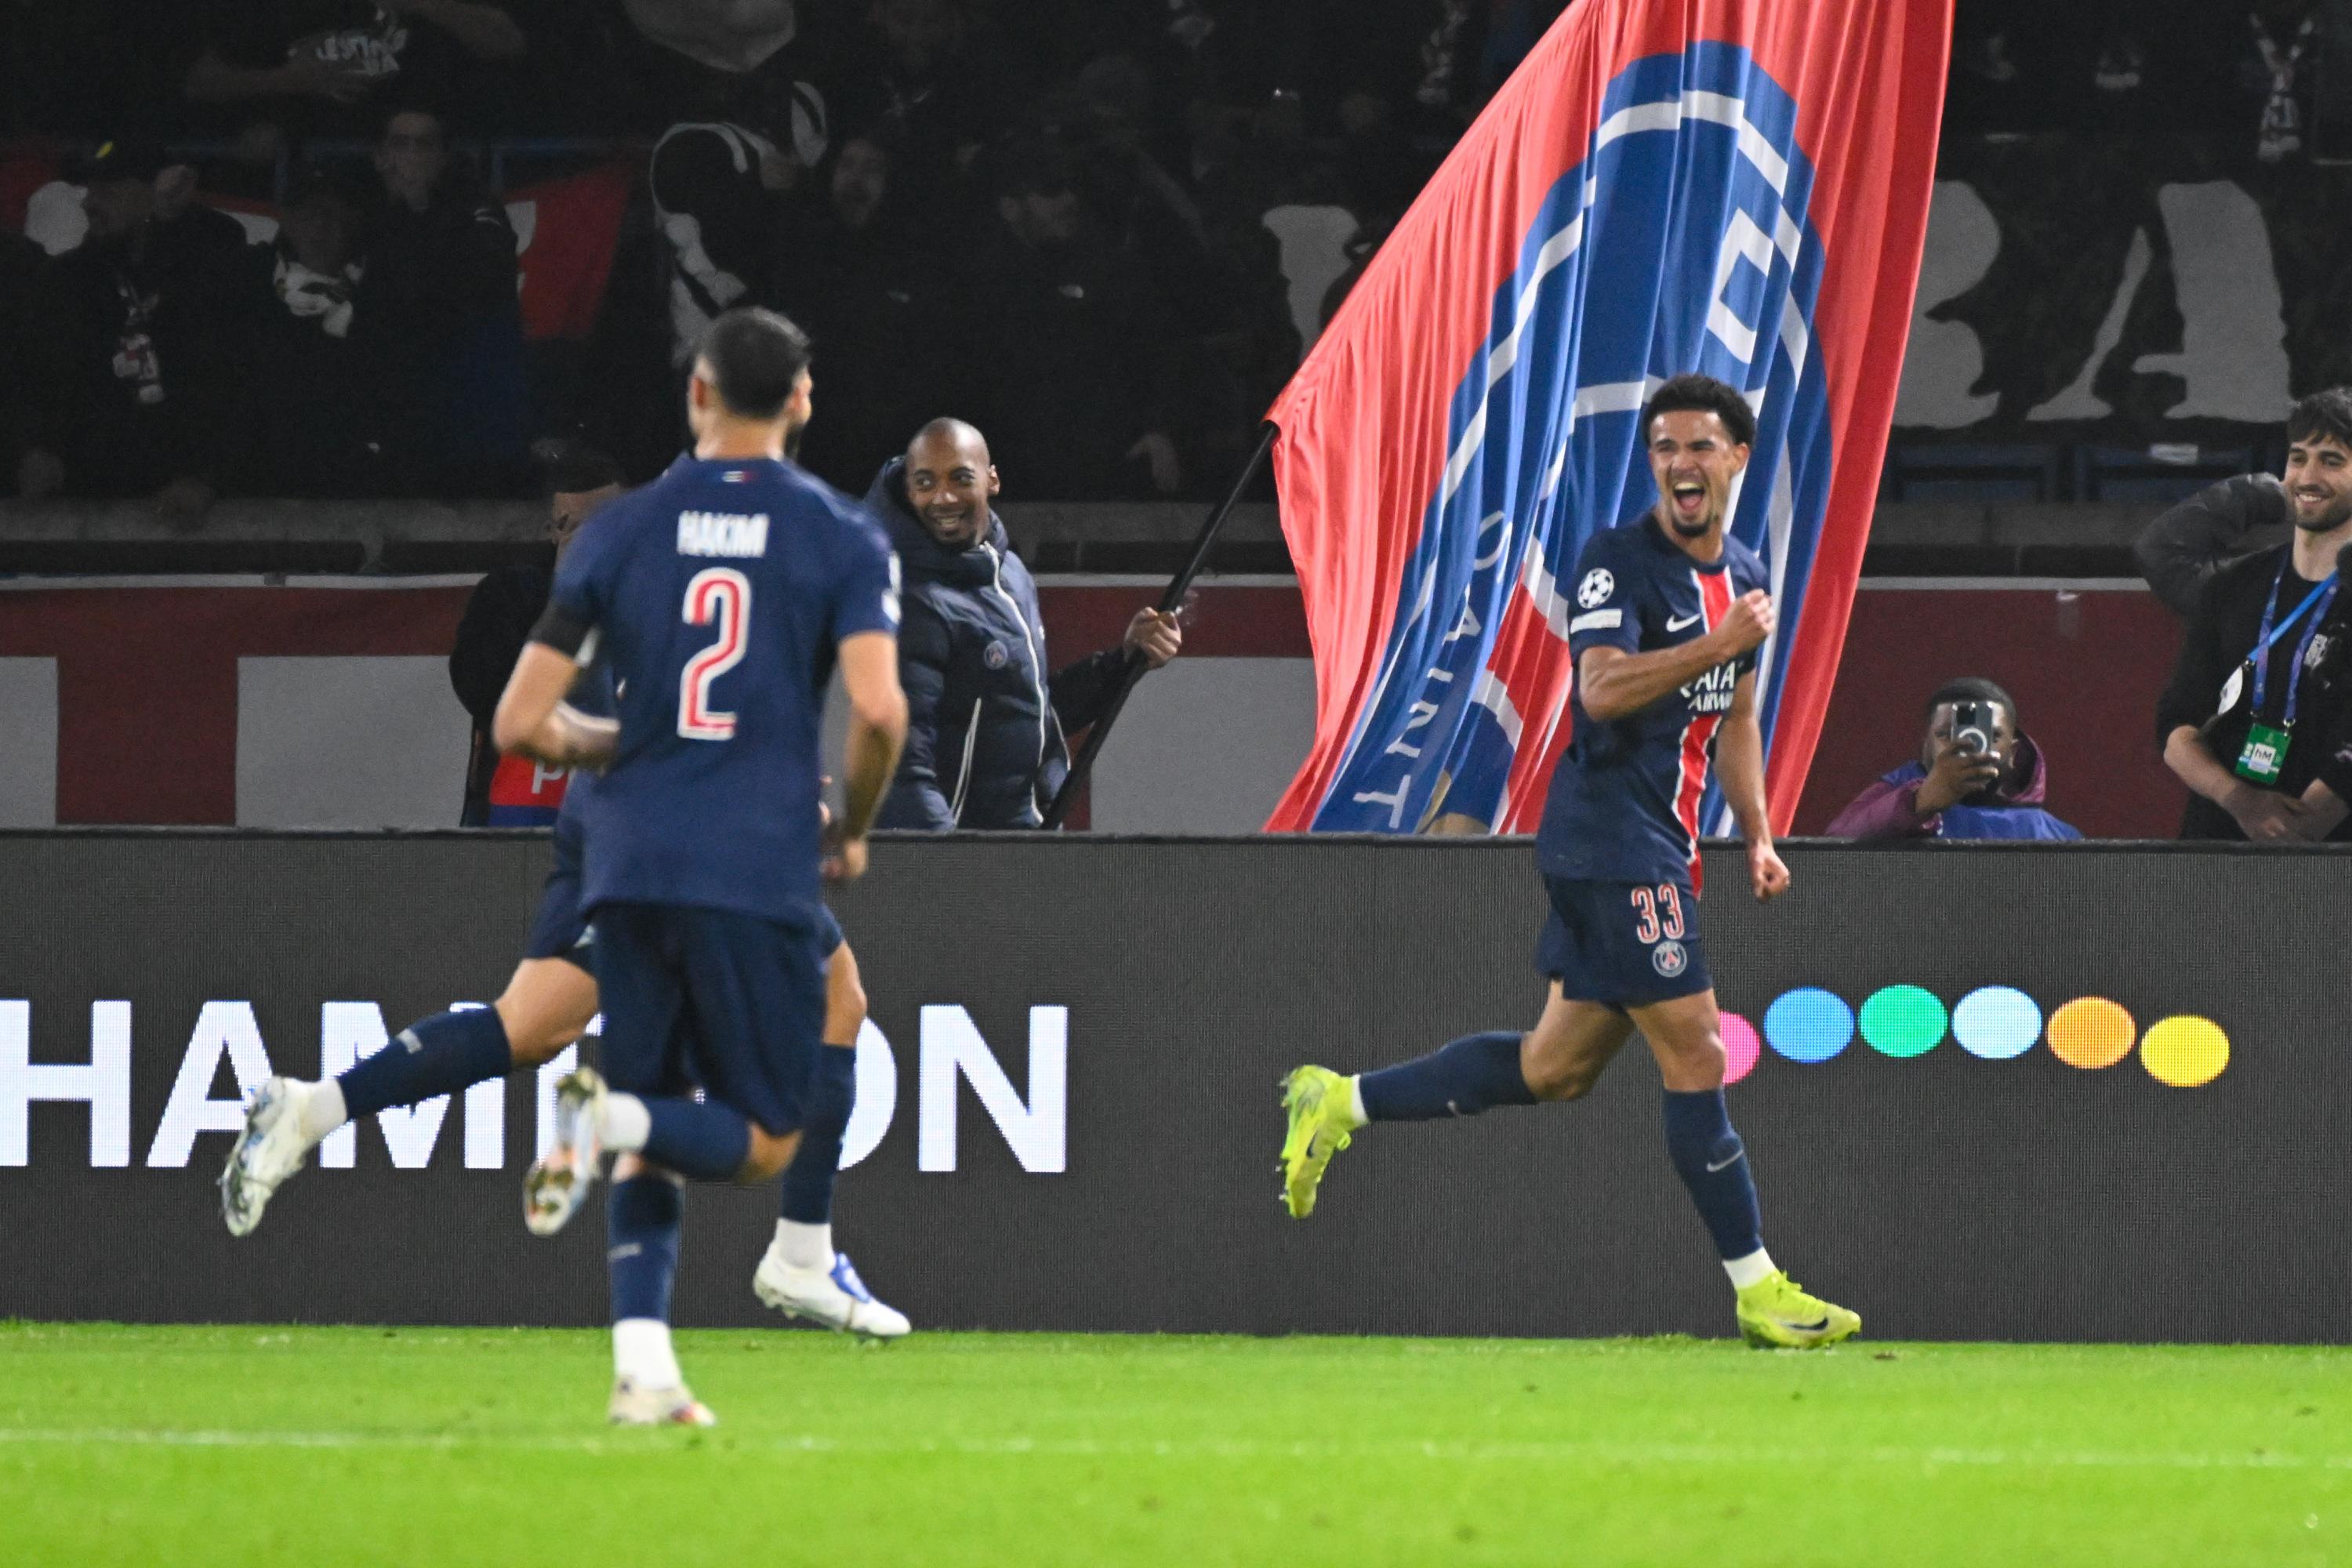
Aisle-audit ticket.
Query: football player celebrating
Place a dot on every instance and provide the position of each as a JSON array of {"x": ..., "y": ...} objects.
[{"x": 1670, "y": 614}]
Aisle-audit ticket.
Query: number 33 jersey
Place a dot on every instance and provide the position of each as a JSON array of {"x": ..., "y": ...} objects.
[
  {"x": 717, "y": 597},
  {"x": 1625, "y": 798}
]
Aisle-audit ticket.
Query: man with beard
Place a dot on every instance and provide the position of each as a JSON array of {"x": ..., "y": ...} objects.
[
  {"x": 987, "y": 724},
  {"x": 2258, "y": 719}
]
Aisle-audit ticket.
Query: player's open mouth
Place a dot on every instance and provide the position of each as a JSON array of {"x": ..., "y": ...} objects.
[{"x": 1689, "y": 498}]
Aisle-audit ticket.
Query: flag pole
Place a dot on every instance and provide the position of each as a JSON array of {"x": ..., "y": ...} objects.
[{"x": 1171, "y": 601}]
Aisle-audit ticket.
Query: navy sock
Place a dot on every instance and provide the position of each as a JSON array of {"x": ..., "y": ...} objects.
[
  {"x": 441, "y": 1055},
  {"x": 1714, "y": 1166},
  {"x": 705, "y": 1142},
  {"x": 1473, "y": 1074},
  {"x": 642, "y": 1221},
  {"x": 808, "y": 1180}
]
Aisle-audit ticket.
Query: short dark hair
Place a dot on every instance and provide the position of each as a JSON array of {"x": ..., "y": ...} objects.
[
  {"x": 1702, "y": 395},
  {"x": 418, "y": 104},
  {"x": 1972, "y": 689},
  {"x": 755, "y": 357},
  {"x": 2324, "y": 416}
]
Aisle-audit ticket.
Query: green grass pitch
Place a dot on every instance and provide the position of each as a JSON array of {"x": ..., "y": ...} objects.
[{"x": 249, "y": 1446}]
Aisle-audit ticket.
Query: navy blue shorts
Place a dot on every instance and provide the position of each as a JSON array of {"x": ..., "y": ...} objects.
[
  {"x": 559, "y": 930},
  {"x": 711, "y": 999},
  {"x": 1623, "y": 944}
]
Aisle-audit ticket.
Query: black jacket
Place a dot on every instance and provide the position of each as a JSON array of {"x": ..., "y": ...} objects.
[
  {"x": 504, "y": 606},
  {"x": 986, "y": 728},
  {"x": 2222, "y": 633},
  {"x": 2181, "y": 551}
]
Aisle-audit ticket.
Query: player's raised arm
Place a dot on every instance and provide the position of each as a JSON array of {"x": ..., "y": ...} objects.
[
  {"x": 1613, "y": 683},
  {"x": 877, "y": 729}
]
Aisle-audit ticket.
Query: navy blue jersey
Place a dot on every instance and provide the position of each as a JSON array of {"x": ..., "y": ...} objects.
[
  {"x": 1624, "y": 801},
  {"x": 718, "y": 595}
]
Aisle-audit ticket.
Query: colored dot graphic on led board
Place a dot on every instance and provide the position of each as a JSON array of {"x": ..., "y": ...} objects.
[
  {"x": 1992, "y": 1023},
  {"x": 2185, "y": 1052},
  {"x": 1902, "y": 1021},
  {"x": 1740, "y": 1047},
  {"x": 1996, "y": 1023},
  {"x": 1809, "y": 1025},
  {"x": 2091, "y": 1032}
]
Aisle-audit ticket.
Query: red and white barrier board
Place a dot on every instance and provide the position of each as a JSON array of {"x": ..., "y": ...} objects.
[{"x": 325, "y": 701}]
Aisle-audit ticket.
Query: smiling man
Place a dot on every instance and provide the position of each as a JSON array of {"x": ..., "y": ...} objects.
[
  {"x": 1670, "y": 615},
  {"x": 2258, "y": 719},
  {"x": 987, "y": 728}
]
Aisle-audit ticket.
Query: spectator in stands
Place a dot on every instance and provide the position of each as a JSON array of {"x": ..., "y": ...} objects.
[
  {"x": 1977, "y": 776},
  {"x": 987, "y": 731},
  {"x": 313, "y": 435},
  {"x": 435, "y": 311},
  {"x": 515, "y": 791},
  {"x": 152, "y": 307},
  {"x": 1071, "y": 340},
  {"x": 921, "y": 76},
  {"x": 35, "y": 365},
  {"x": 721, "y": 182},
  {"x": 318, "y": 66},
  {"x": 877, "y": 301},
  {"x": 2258, "y": 719}
]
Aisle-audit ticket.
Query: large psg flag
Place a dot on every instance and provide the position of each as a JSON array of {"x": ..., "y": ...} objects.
[{"x": 1733, "y": 186}]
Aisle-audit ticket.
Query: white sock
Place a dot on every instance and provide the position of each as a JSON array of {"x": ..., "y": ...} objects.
[
  {"x": 642, "y": 1353},
  {"x": 321, "y": 1110},
  {"x": 804, "y": 1246},
  {"x": 625, "y": 1126},
  {"x": 1355, "y": 1103},
  {"x": 1750, "y": 1270}
]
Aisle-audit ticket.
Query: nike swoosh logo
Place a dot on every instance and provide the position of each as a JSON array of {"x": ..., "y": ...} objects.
[
  {"x": 1712, "y": 1169},
  {"x": 1813, "y": 1328},
  {"x": 1675, "y": 625}
]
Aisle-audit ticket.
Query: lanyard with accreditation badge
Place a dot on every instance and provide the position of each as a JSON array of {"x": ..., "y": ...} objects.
[{"x": 2262, "y": 758}]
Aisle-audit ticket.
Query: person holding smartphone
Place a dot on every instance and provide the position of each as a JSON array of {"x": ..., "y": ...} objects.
[{"x": 1977, "y": 776}]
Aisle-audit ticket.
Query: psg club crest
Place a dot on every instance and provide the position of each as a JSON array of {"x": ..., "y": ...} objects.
[
  {"x": 1669, "y": 959},
  {"x": 1643, "y": 199},
  {"x": 1694, "y": 174}
]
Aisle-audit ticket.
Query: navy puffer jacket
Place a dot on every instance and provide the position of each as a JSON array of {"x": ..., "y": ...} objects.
[{"x": 986, "y": 727}]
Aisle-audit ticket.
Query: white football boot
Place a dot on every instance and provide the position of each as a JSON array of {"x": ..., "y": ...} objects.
[
  {"x": 269, "y": 1149},
  {"x": 557, "y": 1183},
  {"x": 834, "y": 1298},
  {"x": 676, "y": 1407}
]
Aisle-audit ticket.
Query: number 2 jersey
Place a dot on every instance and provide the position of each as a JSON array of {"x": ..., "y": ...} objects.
[
  {"x": 1625, "y": 797},
  {"x": 718, "y": 595}
]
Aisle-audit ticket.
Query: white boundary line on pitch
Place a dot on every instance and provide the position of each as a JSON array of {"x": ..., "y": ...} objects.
[{"x": 1659, "y": 1454}]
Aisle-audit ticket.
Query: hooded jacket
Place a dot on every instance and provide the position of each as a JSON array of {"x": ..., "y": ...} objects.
[
  {"x": 1890, "y": 808},
  {"x": 986, "y": 726}
]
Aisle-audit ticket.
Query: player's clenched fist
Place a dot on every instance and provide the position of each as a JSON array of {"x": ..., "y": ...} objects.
[
  {"x": 842, "y": 857},
  {"x": 1748, "y": 624}
]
